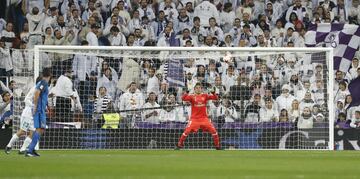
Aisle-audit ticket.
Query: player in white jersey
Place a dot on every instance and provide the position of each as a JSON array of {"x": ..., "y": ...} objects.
[
  {"x": 26, "y": 124},
  {"x": 35, "y": 20}
]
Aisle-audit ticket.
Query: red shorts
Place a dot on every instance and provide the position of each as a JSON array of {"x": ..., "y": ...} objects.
[{"x": 194, "y": 126}]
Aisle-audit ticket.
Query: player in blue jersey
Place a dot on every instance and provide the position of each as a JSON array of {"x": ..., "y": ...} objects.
[
  {"x": 26, "y": 123},
  {"x": 39, "y": 111}
]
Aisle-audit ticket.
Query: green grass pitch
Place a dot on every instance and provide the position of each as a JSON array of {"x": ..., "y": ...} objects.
[{"x": 186, "y": 164}]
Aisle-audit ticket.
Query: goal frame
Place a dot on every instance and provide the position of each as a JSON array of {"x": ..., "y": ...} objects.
[{"x": 329, "y": 55}]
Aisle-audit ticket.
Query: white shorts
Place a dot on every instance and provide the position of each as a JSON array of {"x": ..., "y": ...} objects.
[{"x": 26, "y": 120}]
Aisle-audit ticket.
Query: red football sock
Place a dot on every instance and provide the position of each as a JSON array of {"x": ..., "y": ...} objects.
[
  {"x": 182, "y": 140},
  {"x": 216, "y": 140}
]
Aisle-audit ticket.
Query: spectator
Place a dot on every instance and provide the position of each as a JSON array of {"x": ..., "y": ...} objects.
[
  {"x": 85, "y": 72},
  {"x": 116, "y": 38},
  {"x": 272, "y": 14},
  {"x": 146, "y": 10},
  {"x": 328, "y": 5},
  {"x": 125, "y": 3},
  {"x": 219, "y": 87},
  {"x": 159, "y": 24},
  {"x": 164, "y": 90},
  {"x": 354, "y": 12},
  {"x": 228, "y": 42},
  {"x": 198, "y": 31},
  {"x": 278, "y": 31},
  {"x": 186, "y": 36},
  {"x": 247, "y": 36},
  {"x": 206, "y": 10},
  {"x": 342, "y": 92},
  {"x": 285, "y": 100},
  {"x": 170, "y": 10},
  {"x": 307, "y": 101},
  {"x": 350, "y": 110},
  {"x": 299, "y": 10},
  {"x": 102, "y": 102},
  {"x": 300, "y": 94},
  {"x": 8, "y": 34},
  {"x": 355, "y": 120},
  {"x": 306, "y": 119},
  {"x": 294, "y": 112},
  {"x": 342, "y": 122},
  {"x": 213, "y": 109},
  {"x": 284, "y": 116},
  {"x": 319, "y": 118},
  {"x": 24, "y": 35},
  {"x": 123, "y": 13},
  {"x": 109, "y": 81},
  {"x": 268, "y": 95},
  {"x": 172, "y": 113},
  {"x": 86, "y": 29},
  {"x": 190, "y": 8},
  {"x": 214, "y": 30},
  {"x": 49, "y": 36},
  {"x": 22, "y": 63},
  {"x": 147, "y": 30},
  {"x": 339, "y": 77},
  {"x": 153, "y": 83},
  {"x": 340, "y": 12},
  {"x": 2, "y": 25},
  {"x": 75, "y": 23},
  {"x": 131, "y": 99},
  {"x": 62, "y": 60},
  {"x": 64, "y": 92},
  {"x": 226, "y": 111},
  {"x": 183, "y": 22},
  {"x": 5, "y": 61},
  {"x": 3, "y": 88},
  {"x": 151, "y": 116},
  {"x": 348, "y": 101},
  {"x": 227, "y": 17},
  {"x": 139, "y": 37},
  {"x": 135, "y": 22},
  {"x": 269, "y": 113},
  {"x": 252, "y": 111},
  {"x": 6, "y": 109},
  {"x": 92, "y": 36},
  {"x": 319, "y": 92},
  {"x": 352, "y": 74},
  {"x": 229, "y": 78},
  {"x": 190, "y": 81},
  {"x": 339, "y": 107},
  {"x": 36, "y": 21},
  {"x": 89, "y": 11}
]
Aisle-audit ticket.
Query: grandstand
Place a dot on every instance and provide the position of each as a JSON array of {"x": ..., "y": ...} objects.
[{"x": 106, "y": 87}]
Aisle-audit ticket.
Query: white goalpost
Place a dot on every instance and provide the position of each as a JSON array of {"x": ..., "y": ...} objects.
[{"x": 130, "y": 97}]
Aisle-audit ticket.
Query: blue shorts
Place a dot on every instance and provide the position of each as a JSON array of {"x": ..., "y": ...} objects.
[{"x": 40, "y": 120}]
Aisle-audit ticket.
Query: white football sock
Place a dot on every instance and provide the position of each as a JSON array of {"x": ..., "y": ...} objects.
[
  {"x": 13, "y": 139},
  {"x": 26, "y": 143},
  {"x": 37, "y": 146}
]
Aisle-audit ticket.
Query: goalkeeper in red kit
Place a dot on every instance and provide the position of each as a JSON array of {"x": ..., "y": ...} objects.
[{"x": 199, "y": 118}]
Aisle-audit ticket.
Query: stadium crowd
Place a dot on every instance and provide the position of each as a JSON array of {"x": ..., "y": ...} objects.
[{"x": 273, "y": 88}]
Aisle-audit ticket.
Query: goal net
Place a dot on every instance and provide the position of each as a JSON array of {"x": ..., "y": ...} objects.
[{"x": 130, "y": 97}]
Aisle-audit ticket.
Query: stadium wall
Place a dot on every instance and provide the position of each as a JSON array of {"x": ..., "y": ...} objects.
[
  {"x": 347, "y": 139},
  {"x": 5, "y": 136}
]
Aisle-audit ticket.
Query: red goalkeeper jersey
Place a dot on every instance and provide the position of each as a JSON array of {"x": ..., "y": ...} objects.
[{"x": 198, "y": 105}]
